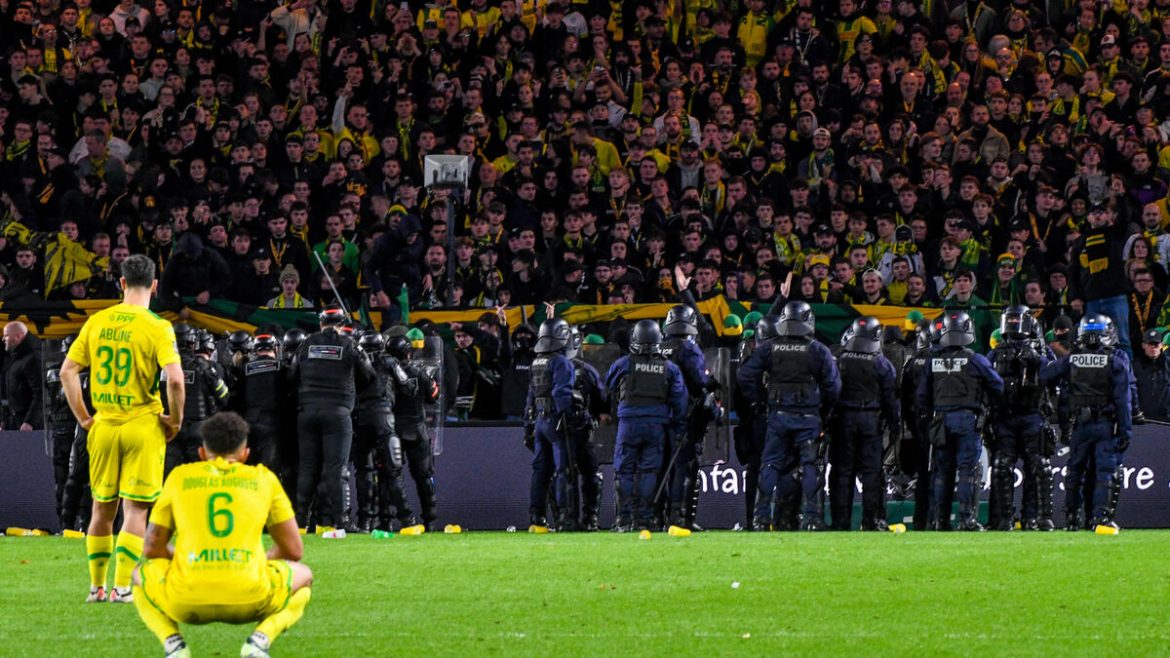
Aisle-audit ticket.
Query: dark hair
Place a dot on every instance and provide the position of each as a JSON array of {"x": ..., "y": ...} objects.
[
  {"x": 138, "y": 270},
  {"x": 224, "y": 433}
]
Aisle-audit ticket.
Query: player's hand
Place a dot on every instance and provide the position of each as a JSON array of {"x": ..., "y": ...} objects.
[
  {"x": 86, "y": 424},
  {"x": 170, "y": 427}
]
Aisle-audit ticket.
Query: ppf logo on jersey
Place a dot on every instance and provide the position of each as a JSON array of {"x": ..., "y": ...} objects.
[
  {"x": 948, "y": 366},
  {"x": 1089, "y": 360}
]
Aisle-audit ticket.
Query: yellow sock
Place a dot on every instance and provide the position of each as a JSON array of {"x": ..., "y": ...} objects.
[
  {"x": 99, "y": 549},
  {"x": 125, "y": 557},
  {"x": 161, "y": 625},
  {"x": 280, "y": 622}
]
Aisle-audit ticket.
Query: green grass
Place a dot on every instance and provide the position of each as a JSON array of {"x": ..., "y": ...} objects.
[{"x": 605, "y": 594}]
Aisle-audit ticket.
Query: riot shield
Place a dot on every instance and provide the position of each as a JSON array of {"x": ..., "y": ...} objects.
[
  {"x": 601, "y": 357},
  {"x": 430, "y": 359},
  {"x": 717, "y": 441}
]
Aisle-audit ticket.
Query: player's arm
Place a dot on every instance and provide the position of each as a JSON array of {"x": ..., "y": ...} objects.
[
  {"x": 157, "y": 542},
  {"x": 71, "y": 384},
  {"x": 176, "y": 398},
  {"x": 286, "y": 541}
]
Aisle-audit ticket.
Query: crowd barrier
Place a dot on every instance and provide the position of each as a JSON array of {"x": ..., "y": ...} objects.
[{"x": 483, "y": 475}]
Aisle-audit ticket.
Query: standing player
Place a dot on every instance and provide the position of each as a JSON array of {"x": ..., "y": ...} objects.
[
  {"x": 125, "y": 347},
  {"x": 217, "y": 570}
]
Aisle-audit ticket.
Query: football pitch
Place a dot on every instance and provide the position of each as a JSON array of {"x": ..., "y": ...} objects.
[{"x": 714, "y": 593}]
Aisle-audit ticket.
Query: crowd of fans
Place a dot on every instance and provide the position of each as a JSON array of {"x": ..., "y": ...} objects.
[{"x": 907, "y": 152}]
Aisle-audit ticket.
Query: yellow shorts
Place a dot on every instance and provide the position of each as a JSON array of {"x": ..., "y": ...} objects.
[
  {"x": 154, "y": 586},
  {"x": 126, "y": 461}
]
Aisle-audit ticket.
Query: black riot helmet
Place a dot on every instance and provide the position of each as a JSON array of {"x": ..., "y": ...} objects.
[
  {"x": 936, "y": 327},
  {"x": 371, "y": 343},
  {"x": 646, "y": 338},
  {"x": 766, "y": 328},
  {"x": 922, "y": 333},
  {"x": 264, "y": 342},
  {"x": 555, "y": 336},
  {"x": 292, "y": 340},
  {"x": 957, "y": 330},
  {"x": 796, "y": 319},
  {"x": 206, "y": 342},
  {"x": 398, "y": 347},
  {"x": 1013, "y": 324},
  {"x": 574, "y": 342},
  {"x": 865, "y": 335},
  {"x": 681, "y": 320},
  {"x": 239, "y": 341},
  {"x": 332, "y": 316},
  {"x": 1095, "y": 330},
  {"x": 186, "y": 337}
]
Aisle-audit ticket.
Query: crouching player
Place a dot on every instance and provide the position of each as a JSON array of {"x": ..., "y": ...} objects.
[{"x": 217, "y": 570}]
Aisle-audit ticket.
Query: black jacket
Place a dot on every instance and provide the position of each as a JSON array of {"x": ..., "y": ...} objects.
[{"x": 22, "y": 385}]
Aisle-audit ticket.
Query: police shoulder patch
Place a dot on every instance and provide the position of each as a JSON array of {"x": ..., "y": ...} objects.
[{"x": 326, "y": 352}]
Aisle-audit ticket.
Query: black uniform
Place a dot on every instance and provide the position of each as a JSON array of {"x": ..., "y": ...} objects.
[
  {"x": 589, "y": 402},
  {"x": 868, "y": 389},
  {"x": 259, "y": 393},
  {"x": 61, "y": 424},
  {"x": 410, "y": 395},
  {"x": 377, "y": 451},
  {"x": 206, "y": 394},
  {"x": 76, "y": 503},
  {"x": 914, "y": 454},
  {"x": 325, "y": 369},
  {"x": 1021, "y": 432}
]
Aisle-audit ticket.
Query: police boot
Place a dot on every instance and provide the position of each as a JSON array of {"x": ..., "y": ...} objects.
[
  {"x": 1074, "y": 520},
  {"x": 675, "y": 515},
  {"x": 622, "y": 521},
  {"x": 591, "y": 502},
  {"x": 426, "y": 495},
  {"x": 877, "y": 522},
  {"x": 813, "y": 517},
  {"x": 537, "y": 523},
  {"x": 968, "y": 521}
]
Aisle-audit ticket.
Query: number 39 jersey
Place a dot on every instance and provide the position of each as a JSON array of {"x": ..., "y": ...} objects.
[
  {"x": 218, "y": 510},
  {"x": 125, "y": 348}
]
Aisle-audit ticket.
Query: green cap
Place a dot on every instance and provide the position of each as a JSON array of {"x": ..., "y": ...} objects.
[
  {"x": 1050, "y": 337},
  {"x": 732, "y": 321},
  {"x": 415, "y": 334},
  {"x": 752, "y": 318},
  {"x": 1166, "y": 339},
  {"x": 748, "y": 333},
  {"x": 594, "y": 339},
  {"x": 914, "y": 316}
]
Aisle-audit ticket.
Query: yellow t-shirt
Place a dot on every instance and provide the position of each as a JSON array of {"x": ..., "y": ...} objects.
[
  {"x": 125, "y": 348},
  {"x": 218, "y": 510}
]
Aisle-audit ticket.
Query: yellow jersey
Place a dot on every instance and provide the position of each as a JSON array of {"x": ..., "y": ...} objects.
[
  {"x": 125, "y": 348},
  {"x": 218, "y": 510}
]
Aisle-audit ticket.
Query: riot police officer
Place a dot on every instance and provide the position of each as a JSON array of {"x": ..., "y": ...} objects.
[
  {"x": 681, "y": 328},
  {"x": 589, "y": 405},
  {"x": 1021, "y": 430},
  {"x": 290, "y": 343},
  {"x": 802, "y": 384},
  {"x": 206, "y": 394},
  {"x": 60, "y": 421},
  {"x": 652, "y": 402},
  {"x": 377, "y": 451},
  {"x": 914, "y": 454},
  {"x": 753, "y": 426},
  {"x": 548, "y": 409},
  {"x": 956, "y": 386},
  {"x": 325, "y": 369},
  {"x": 76, "y": 502},
  {"x": 260, "y": 392},
  {"x": 1099, "y": 392},
  {"x": 413, "y": 389},
  {"x": 868, "y": 391}
]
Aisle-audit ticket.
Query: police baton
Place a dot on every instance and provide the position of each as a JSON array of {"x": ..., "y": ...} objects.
[{"x": 669, "y": 468}]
